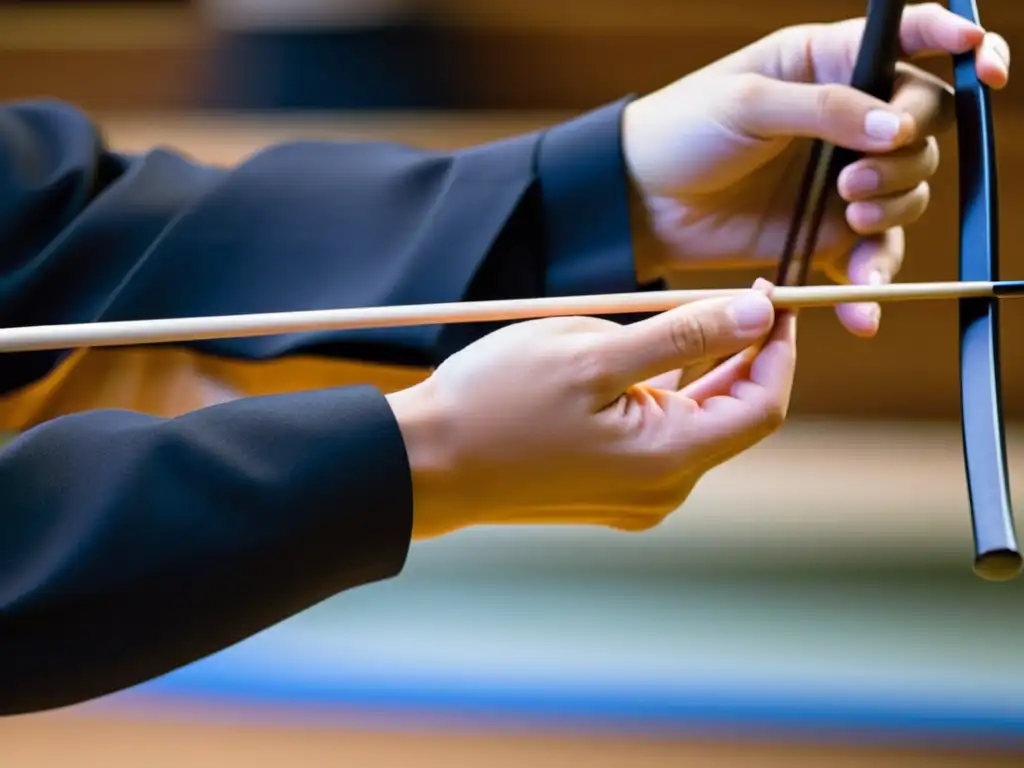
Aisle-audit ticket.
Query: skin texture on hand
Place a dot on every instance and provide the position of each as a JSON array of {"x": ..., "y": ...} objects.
[
  {"x": 717, "y": 157},
  {"x": 561, "y": 420}
]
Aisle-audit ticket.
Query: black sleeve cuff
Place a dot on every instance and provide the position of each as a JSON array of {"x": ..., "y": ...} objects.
[{"x": 585, "y": 195}]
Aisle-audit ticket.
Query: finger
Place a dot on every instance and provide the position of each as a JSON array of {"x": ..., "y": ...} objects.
[
  {"x": 668, "y": 381},
  {"x": 693, "y": 372},
  {"x": 764, "y": 108},
  {"x": 766, "y": 391},
  {"x": 719, "y": 380},
  {"x": 929, "y": 100},
  {"x": 863, "y": 319},
  {"x": 872, "y": 217},
  {"x": 702, "y": 369},
  {"x": 873, "y": 261},
  {"x": 992, "y": 61},
  {"x": 929, "y": 29},
  {"x": 925, "y": 30},
  {"x": 882, "y": 175},
  {"x": 758, "y": 404},
  {"x": 992, "y": 52},
  {"x": 714, "y": 328}
]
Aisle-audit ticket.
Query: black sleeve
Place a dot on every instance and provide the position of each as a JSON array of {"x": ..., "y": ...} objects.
[
  {"x": 89, "y": 235},
  {"x": 131, "y": 545}
]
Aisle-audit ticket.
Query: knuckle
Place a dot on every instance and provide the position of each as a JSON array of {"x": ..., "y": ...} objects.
[
  {"x": 770, "y": 411},
  {"x": 889, "y": 264},
  {"x": 588, "y": 367},
  {"x": 922, "y": 196},
  {"x": 690, "y": 335},
  {"x": 748, "y": 87},
  {"x": 796, "y": 37},
  {"x": 773, "y": 415},
  {"x": 828, "y": 99}
]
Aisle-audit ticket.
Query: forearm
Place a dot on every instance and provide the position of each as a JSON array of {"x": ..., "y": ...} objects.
[{"x": 134, "y": 545}]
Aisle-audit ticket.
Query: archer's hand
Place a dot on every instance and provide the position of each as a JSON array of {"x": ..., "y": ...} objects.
[
  {"x": 718, "y": 156},
  {"x": 545, "y": 422}
]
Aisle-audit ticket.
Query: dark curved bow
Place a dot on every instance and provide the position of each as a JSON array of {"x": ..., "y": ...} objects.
[{"x": 996, "y": 553}]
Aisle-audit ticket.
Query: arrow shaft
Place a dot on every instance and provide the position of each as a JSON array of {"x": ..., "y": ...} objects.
[{"x": 177, "y": 330}]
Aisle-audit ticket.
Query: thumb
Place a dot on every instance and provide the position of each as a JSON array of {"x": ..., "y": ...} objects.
[
  {"x": 715, "y": 328},
  {"x": 766, "y": 108}
]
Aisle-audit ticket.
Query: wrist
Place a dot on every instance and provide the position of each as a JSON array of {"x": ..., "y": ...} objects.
[
  {"x": 424, "y": 425},
  {"x": 649, "y": 255}
]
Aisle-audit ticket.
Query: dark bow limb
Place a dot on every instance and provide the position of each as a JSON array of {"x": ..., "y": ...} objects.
[{"x": 996, "y": 552}]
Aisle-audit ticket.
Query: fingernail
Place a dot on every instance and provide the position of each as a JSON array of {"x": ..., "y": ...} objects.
[
  {"x": 861, "y": 180},
  {"x": 877, "y": 277},
  {"x": 868, "y": 213},
  {"x": 752, "y": 313},
  {"x": 999, "y": 52},
  {"x": 882, "y": 125},
  {"x": 871, "y": 313}
]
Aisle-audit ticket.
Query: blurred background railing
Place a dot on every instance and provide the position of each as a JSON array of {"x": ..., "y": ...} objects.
[{"x": 812, "y": 603}]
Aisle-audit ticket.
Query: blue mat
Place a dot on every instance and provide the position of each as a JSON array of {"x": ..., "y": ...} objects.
[{"x": 556, "y": 661}]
